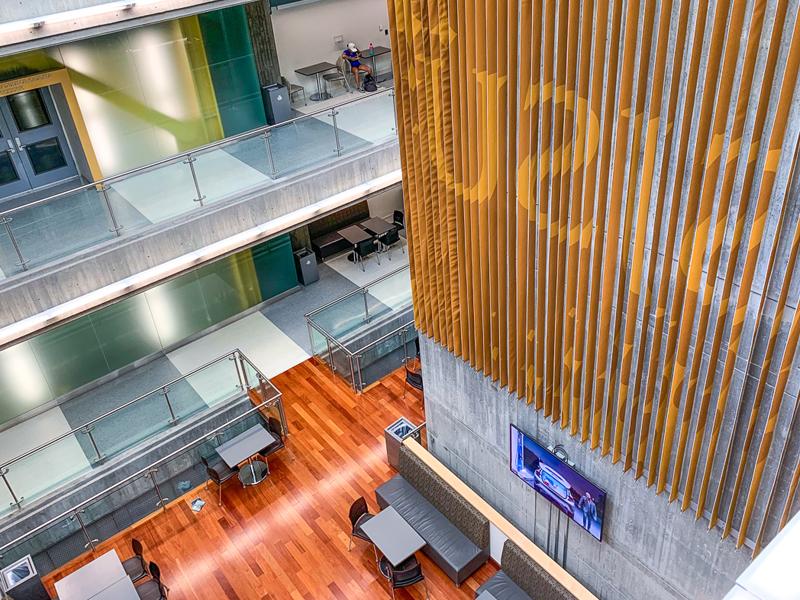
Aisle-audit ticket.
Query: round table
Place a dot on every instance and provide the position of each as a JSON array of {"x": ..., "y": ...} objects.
[{"x": 253, "y": 473}]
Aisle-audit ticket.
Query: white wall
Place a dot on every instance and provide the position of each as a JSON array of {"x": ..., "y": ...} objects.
[
  {"x": 384, "y": 204},
  {"x": 304, "y": 33}
]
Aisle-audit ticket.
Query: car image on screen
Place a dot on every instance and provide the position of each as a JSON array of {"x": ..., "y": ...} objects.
[{"x": 555, "y": 488}]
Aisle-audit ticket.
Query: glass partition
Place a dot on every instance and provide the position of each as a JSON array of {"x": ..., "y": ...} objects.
[
  {"x": 368, "y": 333},
  {"x": 65, "y": 223},
  {"x": 63, "y": 459}
]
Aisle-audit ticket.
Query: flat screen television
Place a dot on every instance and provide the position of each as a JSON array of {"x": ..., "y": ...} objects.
[{"x": 573, "y": 494}]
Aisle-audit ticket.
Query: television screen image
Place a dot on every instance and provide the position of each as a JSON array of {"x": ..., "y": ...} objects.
[{"x": 571, "y": 492}]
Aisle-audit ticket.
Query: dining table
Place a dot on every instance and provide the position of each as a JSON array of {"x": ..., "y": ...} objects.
[{"x": 102, "y": 579}]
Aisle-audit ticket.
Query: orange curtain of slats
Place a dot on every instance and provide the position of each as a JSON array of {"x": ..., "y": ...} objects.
[{"x": 603, "y": 209}]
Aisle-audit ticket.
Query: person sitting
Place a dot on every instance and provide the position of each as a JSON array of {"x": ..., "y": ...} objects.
[{"x": 352, "y": 55}]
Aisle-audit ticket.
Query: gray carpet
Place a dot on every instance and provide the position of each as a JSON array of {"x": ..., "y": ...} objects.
[
  {"x": 288, "y": 313},
  {"x": 296, "y": 146},
  {"x": 138, "y": 421}
]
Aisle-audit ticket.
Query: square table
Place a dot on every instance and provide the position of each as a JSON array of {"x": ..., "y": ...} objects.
[
  {"x": 354, "y": 234},
  {"x": 315, "y": 71},
  {"x": 93, "y": 579},
  {"x": 242, "y": 448},
  {"x": 393, "y": 536},
  {"x": 376, "y": 51},
  {"x": 377, "y": 226}
]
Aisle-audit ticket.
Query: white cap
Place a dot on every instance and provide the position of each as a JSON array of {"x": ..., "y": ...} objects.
[{"x": 351, "y": 45}]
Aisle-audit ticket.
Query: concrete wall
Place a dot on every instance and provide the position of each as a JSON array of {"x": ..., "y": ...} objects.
[
  {"x": 57, "y": 282},
  {"x": 304, "y": 33},
  {"x": 650, "y": 550}
]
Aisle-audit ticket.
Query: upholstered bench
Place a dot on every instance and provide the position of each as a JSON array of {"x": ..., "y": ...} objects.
[{"x": 456, "y": 534}]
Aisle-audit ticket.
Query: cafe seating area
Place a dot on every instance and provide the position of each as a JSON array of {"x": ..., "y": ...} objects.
[{"x": 362, "y": 239}]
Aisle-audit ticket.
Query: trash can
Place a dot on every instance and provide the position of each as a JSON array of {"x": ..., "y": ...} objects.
[
  {"x": 277, "y": 105},
  {"x": 394, "y": 435},
  {"x": 305, "y": 262}
]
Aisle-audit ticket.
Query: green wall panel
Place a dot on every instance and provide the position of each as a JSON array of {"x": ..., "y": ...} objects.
[
  {"x": 126, "y": 331},
  {"x": 274, "y": 265},
  {"x": 233, "y": 69},
  {"x": 70, "y": 356},
  {"x": 22, "y": 382}
]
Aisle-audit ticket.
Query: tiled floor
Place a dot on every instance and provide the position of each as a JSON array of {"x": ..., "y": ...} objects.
[{"x": 392, "y": 292}]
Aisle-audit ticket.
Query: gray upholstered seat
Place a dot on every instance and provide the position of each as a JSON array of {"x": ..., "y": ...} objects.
[
  {"x": 446, "y": 545},
  {"x": 502, "y": 587}
]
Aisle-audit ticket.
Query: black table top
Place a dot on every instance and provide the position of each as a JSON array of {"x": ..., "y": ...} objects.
[
  {"x": 354, "y": 234},
  {"x": 376, "y": 51},
  {"x": 377, "y": 226},
  {"x": 312, "y": 70}
]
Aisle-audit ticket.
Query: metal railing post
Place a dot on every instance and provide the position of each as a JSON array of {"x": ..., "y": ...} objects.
[
  {"x": 394, "y": 110},
  {"x": 330, "y": 355},
  {"x": 6, "y": 221},
  {"x": 404, "y": 342},
  {"x": 190, "y": 161},
  {"x": 360, "y": 388},
  {"x": 90, "y": 541},
  {"x": 270, "y": 157},
  {"x": 17, "y": 501},
  {"x": 173, "y": 419},
  {"x": 366, "y": 305},
  {"x": 241, "y": 371},
  {"x": 115, "y": 226},
  {"x": 334, "y": 112},
  {"x": 162, "y": 501},
  {"x": 88, "y": 431},
  {"x": 352, "y": 374}
]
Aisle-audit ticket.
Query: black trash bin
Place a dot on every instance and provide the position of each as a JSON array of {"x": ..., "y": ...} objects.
[
  {"x": 305, "y": 262},
  {"x": 277, "y": 105}
]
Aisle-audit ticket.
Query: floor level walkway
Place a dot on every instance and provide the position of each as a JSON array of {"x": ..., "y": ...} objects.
[{"x": 287, "y": 537}]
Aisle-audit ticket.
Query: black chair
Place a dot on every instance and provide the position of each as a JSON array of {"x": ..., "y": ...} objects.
[
  {"x": 276, "y": 429},
  {"x": 406, "y": 574},
  {"x": 217, "y": 463},
  {"x": 219, "y": 478},
  {"x": 135, "y": 566},
  {"x": 413, "y": 379},
  {"x": 399, "y": 220},
  {"x": 363, "y": 250},
  {"x": 390, "y": 239},
  {"x": 359, "y": 514},
  {"x": 153, "y": 588}
]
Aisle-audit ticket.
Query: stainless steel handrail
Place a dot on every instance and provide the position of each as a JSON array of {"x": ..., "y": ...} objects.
[
  {"x": 139, "y": 473},
  {"x": 117, "y": 409},
  {"x": 188, "y": 154},
  {"x": 356, "y": 291}
]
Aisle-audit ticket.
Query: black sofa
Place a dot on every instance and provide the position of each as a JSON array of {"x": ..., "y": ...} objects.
[
  {"x": 522, "y": 578},
  {"x": 329, "y": 244},
  {"x": 455, "y": 532}
]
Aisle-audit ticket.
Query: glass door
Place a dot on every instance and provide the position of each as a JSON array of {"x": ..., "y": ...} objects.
[
  {"x": 35, "y": 133},
  {"x": 13, "y": 178}
]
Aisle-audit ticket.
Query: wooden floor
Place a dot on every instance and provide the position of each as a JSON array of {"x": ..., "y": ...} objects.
[{"x": 287, "y": 537}]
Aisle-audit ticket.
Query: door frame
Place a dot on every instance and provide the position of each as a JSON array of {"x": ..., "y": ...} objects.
[{"x": 59, "y": 77}]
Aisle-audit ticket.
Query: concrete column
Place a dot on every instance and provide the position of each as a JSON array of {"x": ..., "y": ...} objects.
[{"x": 259, "y": 21}]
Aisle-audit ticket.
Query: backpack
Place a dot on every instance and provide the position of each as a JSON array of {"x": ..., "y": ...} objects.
[{"x": 369, "y": 83}]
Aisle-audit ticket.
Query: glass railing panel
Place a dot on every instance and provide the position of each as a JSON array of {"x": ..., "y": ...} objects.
[
  {"x": 301, "y": 143},
  {"x": 180, "y": 475},
  {"x": 131, "y": 425},
  {"x": 35, "y": 475},
  {"x": 364, "y": 123},
  {"x": 345, "y": 315},
  {"x": 233, "y": 168},
  {"x": 214, "y": 384},
  {"x": 50, "y": 230},
  {"x": 393, "y": 292},
  {"x": 51, "y": 547},
  {"x": 319, "y": 343},
  {"x": 386, "y": 355},
  {"x": 158, "y": 194},
  {"x": 120, "y": 508}
]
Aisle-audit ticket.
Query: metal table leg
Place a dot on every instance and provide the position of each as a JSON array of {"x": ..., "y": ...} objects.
[{"x": 320, "y": 95}]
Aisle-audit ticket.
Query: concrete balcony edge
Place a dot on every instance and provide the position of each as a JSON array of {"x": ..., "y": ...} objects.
[{"x": 107, "y": 272}]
